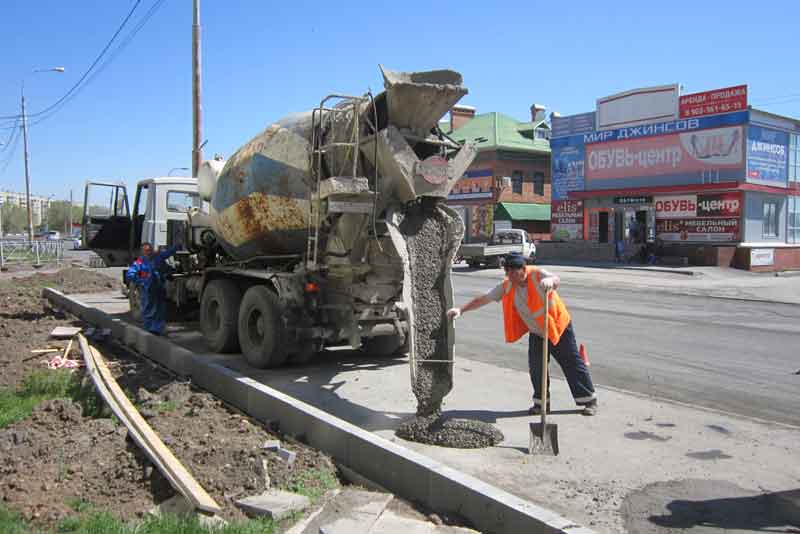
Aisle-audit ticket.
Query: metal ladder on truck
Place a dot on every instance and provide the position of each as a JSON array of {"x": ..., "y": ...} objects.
[{"x": 341, "y": 158}]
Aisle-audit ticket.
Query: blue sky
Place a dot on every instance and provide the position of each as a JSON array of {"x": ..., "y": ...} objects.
[{"x": 262, "y": 60}]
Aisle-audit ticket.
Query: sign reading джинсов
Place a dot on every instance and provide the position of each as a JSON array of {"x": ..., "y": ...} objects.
[{"x": 767, "y": 155}]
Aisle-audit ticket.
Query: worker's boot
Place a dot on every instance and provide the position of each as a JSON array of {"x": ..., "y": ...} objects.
[{"x": 536, "y": 409}]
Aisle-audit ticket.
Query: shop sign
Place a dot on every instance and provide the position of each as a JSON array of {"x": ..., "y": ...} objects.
[
  {"x": 760, "y": 257},
  {"x": 719, "y": 205},
  {"x": 726, "y": 100},
  {"x": 633, "y": 200},
  {"x": 474, "y": 185},
  {"x": 694, "y": 154},
  {"x": 667, "y": 128},
  {"x": 572, "y": 124},
  {"x": 567, "y": 165},
  {"x": 566, "y": 220},
  {"x": 767, "y": 155},
  {"x": 698, "y": 229},
  {"x": 676, "y": 207}
]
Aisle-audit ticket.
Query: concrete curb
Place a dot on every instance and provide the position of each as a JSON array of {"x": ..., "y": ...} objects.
[{"x": 406, "y": 473}]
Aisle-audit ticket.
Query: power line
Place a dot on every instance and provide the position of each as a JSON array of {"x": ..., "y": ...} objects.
[
  {"x": 89, "y": 70},
  {"x": 150, "y": 12},
  {"x": 11, "y": 151},
  {"x": 10, "y": 135}
]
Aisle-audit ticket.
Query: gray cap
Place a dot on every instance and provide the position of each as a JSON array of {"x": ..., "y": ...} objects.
[{"x": 514, "y": 260}]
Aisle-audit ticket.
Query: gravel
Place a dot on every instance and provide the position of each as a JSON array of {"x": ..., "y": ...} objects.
[
  {"x": 427, "y": 228},
  {"x": 445, "y": 432}
]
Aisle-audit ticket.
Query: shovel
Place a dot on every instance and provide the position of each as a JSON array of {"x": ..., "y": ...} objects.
[{"x": 544, "y": 435}]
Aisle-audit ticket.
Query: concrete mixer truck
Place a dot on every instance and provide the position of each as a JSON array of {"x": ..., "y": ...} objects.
[{"x": 327, "y": 228}]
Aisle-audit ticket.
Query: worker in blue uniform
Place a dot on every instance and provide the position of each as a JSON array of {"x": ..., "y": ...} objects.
[{"x": 148, "y": 271}]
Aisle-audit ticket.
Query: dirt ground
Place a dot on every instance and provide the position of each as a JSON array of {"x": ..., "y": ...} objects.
[{"x": 58, "y": 456}]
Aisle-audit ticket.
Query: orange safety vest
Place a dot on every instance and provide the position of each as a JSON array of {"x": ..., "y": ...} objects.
[{"x": 558, "y": 317}]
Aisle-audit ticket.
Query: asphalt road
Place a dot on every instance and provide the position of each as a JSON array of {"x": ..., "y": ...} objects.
[{"x": 735, "y": 356}]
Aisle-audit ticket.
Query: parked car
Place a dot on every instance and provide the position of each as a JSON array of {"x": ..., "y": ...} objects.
[{"x": 503, "y": 242}]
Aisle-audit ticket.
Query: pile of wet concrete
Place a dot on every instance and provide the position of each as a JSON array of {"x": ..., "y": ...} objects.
[{"x": 428, "y": 230}]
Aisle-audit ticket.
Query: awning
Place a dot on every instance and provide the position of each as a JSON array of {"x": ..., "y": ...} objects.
[{"x": 521, "y": 211}]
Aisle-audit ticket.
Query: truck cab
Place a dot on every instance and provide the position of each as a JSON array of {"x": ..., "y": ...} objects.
[{"x": 115, "y": 234}]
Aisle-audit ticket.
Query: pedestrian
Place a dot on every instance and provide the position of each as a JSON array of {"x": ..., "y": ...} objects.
[
  {"x": 522, "y": 294},
  {"x": 148, "y": 273}
]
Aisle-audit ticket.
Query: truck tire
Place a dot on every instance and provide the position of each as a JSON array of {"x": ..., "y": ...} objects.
[
  {"x": 384, "y": 346},
  {"x": 262, "y": 335},
  {"x": 135, "y": 302},
  {"x": 219, "y": 312}
]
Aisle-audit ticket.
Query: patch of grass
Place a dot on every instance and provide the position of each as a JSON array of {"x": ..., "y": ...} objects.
[
  {"x": 313, "y": 483},
  {"x": 79, "y": 505},
  {"x": 103, "y": 523},
  {"x": 44, "y": 384},
  {"x": 11, "y": 522},
  {"x": 94, "y": 523},
  {"x": 165, "y": 406},
  {"x": 40, "y": 385}
]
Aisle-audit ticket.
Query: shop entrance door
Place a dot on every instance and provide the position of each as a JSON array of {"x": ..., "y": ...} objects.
[
  {"x": 603, "y": 227},
  {"x": 641, "y": 226}
]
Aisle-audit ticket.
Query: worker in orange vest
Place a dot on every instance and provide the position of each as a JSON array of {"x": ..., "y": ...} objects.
[{"x": 522, "y": 294}]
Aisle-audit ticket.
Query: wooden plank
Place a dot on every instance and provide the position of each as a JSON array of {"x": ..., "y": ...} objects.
[
  {"x": 142, "y": 433},
  {"x": 44, "y": 351}
]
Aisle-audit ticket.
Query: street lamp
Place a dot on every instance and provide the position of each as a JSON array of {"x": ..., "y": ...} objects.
[
  {"x": 25, "y": 151},
  {"x": 177, "y": 169}
]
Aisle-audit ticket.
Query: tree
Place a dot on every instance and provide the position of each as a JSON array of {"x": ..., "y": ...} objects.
[
  {"x": 57, "y": 216},
  {"x": 15, "y": 219}
]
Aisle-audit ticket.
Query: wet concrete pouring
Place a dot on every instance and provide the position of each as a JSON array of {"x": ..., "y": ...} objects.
[{"x": 427, "y": 228}]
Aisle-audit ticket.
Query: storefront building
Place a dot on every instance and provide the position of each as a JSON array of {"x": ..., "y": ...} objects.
[
  {"x": 508, "y": 183},
  {"x": 701, "y": 177}
]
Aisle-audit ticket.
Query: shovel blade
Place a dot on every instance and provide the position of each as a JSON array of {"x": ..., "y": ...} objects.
[{"x": 544, "y": 439}]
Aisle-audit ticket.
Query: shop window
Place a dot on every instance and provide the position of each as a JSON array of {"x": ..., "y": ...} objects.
[
  {"x": 516, "y": 182},
  {"x": 793, "y": 226},
  {"x": 770, "y": 222},
  {"x": 794, "y": 158},
  {"x": 538, "y": 183}
]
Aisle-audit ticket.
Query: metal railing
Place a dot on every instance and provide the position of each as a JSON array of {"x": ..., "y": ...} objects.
[{"x": 34, "y": 253}]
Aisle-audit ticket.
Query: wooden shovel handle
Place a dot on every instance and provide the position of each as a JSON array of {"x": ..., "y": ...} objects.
[{"x": 545, "y": 358}]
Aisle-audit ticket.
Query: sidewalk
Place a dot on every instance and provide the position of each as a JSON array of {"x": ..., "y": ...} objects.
[
  {"x": 640, "y": 465},
  {"x": 716, "y": 282}
]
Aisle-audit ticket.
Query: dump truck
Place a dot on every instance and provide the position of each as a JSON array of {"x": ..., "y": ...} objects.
[{"x": 328, "y": 228}]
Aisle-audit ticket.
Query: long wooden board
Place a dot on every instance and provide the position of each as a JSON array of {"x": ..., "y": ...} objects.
[{"x": 142, "y": 433}]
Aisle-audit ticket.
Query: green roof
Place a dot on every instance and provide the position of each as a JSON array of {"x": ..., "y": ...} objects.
[
  {"x": 498, "y": 131},
  {"x": 521, "y": 211}
]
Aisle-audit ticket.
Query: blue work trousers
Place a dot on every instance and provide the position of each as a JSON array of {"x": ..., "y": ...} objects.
[
  {"x": 567, "y": 355},
  {"x": 154, "y": 308}
]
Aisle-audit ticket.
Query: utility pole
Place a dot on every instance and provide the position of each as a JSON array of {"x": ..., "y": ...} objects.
[
  {"x": 27, "y": 172},
  {"x": 197, "y": 106}
]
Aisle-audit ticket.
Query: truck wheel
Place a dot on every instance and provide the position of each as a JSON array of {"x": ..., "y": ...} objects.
[
  {"x": 219, "y": 310},
  {"x": 384, "y": 346},
  {"x": 261, "y": 331},
  {"x": 135, "y": 302}
]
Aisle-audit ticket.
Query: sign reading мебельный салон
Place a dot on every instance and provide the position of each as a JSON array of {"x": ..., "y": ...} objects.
[
  {"x": 566, "y": 220},
  {"x": 767, "y": 156},
  {"x": 712, "y": 217}
]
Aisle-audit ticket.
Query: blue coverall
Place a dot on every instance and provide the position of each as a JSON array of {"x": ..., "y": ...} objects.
[{"x": 147, "y": 274}]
